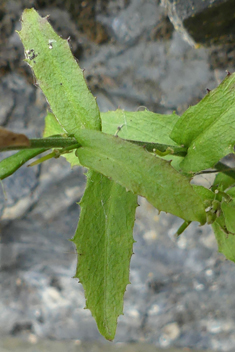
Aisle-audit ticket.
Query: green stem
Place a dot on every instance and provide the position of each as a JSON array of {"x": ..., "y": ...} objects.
[
  {"x": 66, "y": 142},
  {"x": 69, "y": 143},
  {"x": 48, "y": 143},
  {"x": 9, "y": 165},
  {"x": 182, "y": 228}
]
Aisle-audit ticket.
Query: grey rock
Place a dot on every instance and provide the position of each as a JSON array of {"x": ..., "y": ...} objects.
[
  {"x": 6, "y": 105},
  {"x": 137, "y": 19},
  {"x": 18, "y": 190},
  {"x": 33, "y": 345},
  {"x": 148, "y": 74},
  {"x": 23, "y": 113},
  {"x": 213, "y": 17}
]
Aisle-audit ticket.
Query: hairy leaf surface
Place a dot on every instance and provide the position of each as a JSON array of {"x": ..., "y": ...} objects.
[
  {"x": 58, "y": 74},
  {"x": 104, "y": 248},
  {"x": 126, "y": 163},
  {"x": 207, "y": 129}
]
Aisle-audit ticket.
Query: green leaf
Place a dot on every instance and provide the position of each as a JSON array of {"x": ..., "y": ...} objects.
[
  {"x": 142, "y": 173},
  {"x": 199, "y": 117},
  {"x": 144, "y": 126},
  {"x": 229, "y": 215},
  {"x": 104, "y": 244},
  {"x": 103, "y": 237},
  {"x": 203, "y": 192},
  {"x": 223, "y": 180},
  {"x": 207, "y": 129},
  {"x": 52, "y": 127},
  {"x": 226, "y": 242},
  {"x": 231, "y": 192},
  {"x": 58, "y": 74},
  {"x": 9, "y": 165},
  {"x": 141, "y": 125}
]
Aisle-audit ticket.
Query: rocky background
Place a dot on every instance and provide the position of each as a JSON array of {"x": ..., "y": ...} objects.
[{"x": 182, "y": 292}]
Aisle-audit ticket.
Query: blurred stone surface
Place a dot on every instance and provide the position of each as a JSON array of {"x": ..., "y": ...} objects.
[
  {"x": 138, "y": 18},
  {"x": 182, "y": 293},
  {"x": 21, "y": 111},
  {"x": 33, "y": 345},
  {"x": 206, "y": 21}
]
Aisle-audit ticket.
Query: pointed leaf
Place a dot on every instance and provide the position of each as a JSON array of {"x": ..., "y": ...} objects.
[
  {"x": 107, "y": 217},
  {"x": 58, "y": 74},
  {"x": 207, "y": 129},
  {"x": 104, "y": 244},
  {"x": 142, "y": 173}
]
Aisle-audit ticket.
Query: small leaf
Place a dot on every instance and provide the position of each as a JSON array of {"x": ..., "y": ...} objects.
[
  {"x": 207, "y": 129},
  {"x": 104, "y": 245},
  {"x": 142, "y": 173}
]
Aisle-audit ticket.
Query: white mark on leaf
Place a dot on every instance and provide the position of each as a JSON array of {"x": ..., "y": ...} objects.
[{"x": 50, "y": 43}]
